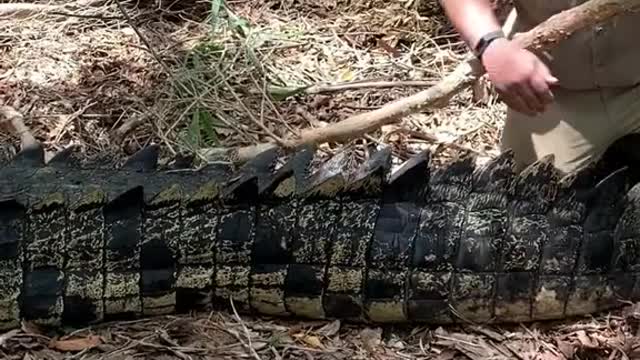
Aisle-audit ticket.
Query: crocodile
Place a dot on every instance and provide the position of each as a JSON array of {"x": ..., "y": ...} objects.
[{"x": 354, "y": 238}]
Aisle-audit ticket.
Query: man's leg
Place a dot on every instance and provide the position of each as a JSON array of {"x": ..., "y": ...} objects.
[
  {"x": 575, "y": 128},
  {"x": 624, "y": 106}
]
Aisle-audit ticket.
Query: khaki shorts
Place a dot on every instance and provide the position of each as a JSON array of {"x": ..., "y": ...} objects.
[{"x": 576, "y": 128}]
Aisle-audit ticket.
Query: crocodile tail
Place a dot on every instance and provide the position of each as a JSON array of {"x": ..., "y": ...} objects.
[{"x": 351, "y": 239}]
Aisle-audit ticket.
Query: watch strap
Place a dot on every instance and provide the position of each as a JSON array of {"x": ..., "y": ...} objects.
[{"x": 486, "y": 40}]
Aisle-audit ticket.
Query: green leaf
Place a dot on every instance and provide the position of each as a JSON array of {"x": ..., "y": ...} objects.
[
  {"x": 193, "y": 130},
  {"x": 216, "y": 5},
  {"x": 208, "y": 128},
  {"x": 281, "y": 93},
  {"x": 239, "y": 24}
]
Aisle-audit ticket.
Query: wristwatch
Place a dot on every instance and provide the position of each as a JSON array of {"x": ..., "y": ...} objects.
[{"x": 484, "y": 42}]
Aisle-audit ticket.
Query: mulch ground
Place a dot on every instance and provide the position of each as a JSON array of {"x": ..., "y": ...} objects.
[{"x": 201, "y": 75}]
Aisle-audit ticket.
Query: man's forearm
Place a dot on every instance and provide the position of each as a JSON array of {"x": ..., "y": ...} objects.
[{"x": 471, "y": 18}]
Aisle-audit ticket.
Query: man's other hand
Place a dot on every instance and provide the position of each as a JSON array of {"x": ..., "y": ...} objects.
[{"x": 520, "y": 77}]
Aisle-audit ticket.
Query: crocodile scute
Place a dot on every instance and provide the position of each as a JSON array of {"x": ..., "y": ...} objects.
[{"x": 426, "y": 243}]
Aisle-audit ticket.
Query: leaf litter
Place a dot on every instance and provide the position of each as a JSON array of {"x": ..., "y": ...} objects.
[{"x": 235, "y": 73}]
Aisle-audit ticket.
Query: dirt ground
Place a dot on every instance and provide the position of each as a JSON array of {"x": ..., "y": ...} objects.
[{"x": 194, "y": 75}]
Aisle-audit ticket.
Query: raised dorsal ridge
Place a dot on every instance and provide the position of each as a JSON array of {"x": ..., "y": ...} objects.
[{"x": 145, "y": 159}]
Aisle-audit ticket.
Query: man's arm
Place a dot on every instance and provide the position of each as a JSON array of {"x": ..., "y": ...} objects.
[
  {"x": 520, "y": 77},
  {"x": 472, "y": 18}
]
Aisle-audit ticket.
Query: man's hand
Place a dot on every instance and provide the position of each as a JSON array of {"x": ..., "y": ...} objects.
[{"x": 520, "y": 77}]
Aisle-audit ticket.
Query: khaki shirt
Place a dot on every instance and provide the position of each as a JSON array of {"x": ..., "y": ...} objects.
[{"x": 601, "y": 56}]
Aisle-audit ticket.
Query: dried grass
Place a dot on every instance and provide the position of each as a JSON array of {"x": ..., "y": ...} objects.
[
  {"x": 220, "y": 335},
  {"x": 86, "y": 78},
  {"x": 215, "y": 81}
]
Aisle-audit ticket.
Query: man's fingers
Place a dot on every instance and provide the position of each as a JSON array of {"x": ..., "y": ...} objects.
[
  {"x": 529, "y": 97},
  {"x": 516, "y": 102},
  {"x": 542, "y": 90},
  {"x": 546, "y": 74}
]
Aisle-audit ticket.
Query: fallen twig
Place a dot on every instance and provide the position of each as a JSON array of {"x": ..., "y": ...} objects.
[
  {"x": 246, "y": 331},
  {"x": 25, "y": 10},
  {"x": 346, "y": 86},
  {"x": 543, "y": 37},
  {"x": 20, "y": 10},
  {"x": 13, "y": 121}
]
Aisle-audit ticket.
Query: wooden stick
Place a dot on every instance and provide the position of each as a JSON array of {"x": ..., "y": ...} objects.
[
  {"x": 12, "y": 121},
  {"x": 24, "y": 10},
  {"x": 283, "y": 93},
  {"x": 543, "y": 37}
]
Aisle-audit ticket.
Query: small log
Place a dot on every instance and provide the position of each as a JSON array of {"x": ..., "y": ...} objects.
[{"x": 543, "y": 37}]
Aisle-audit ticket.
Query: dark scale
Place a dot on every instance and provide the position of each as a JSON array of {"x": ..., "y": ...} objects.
[
  {"x": 196, "y": 263},
  {"x": 531, "y": 195},
  {"x": 484, "y": 226},
  {"x": 596, "y": 255},
  {"x": 389, "y": 257},
  {"x": 586, "y": 294},
  {"x": 43, "y": 261},
  {"x": 626, "y": 259},
  {"x": 625, "y": 262},
  {"x": 123, "y": 228},
  {"x": 428, "y": 296},
  {"x": 619, "y": 287},
  {"x": 253, "y": 240},
  {"x": 273, "y": 233},
  {"x": 635, "y": 290},
  {"x": 317, "y": 225},
  {"x": 605, "y": 208},
  {"x": 314, "y": 231},
  {"x": 389, "y": 254},
  {"x": 481, "y": 242},
  {"x": 12, "y": 222},
  {"x": 158, "y": 257},
  {"x": 564, "y": 236},
  {"x": 84, "y": 287},
  {"x": 627, "y": 236},
  {"x": 267, "y": 288},
  {"x": 347, "y": 264},
  {"x": 234, "y": 242},
  {"x": 442, "y": 217},
  {"x": 271, "y": 255},
  {"x": 437, "y": 240},
  {"x": 550, "y": 296}
]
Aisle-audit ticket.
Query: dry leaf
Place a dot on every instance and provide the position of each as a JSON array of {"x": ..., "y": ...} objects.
[
  {"x": 313, "y": 341},
  {"x": 78, "y": 344},
  {"x": 310, "y": 340},
  {"x": 347, "y": 75},
  {"x": 566, "y": 349},
  {"x": 330, "y": 329},
  {"x": 585, "y": 340},
  {"x": 31, "y": 328},
  {"x": 371, "y": 338},
  {"x": 548, "y": 356},
  {"x": 447, "y": 354},
  {"x": 6, "y": 336},
  {"x": 386, "y": 46},
  {"x": 259, "y": 345}
]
